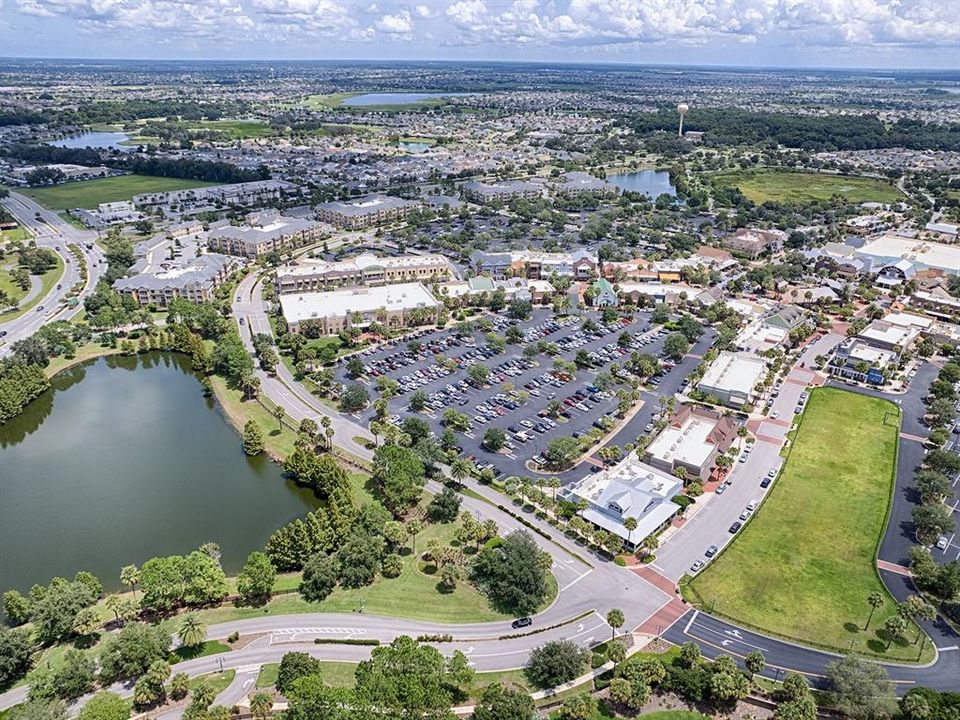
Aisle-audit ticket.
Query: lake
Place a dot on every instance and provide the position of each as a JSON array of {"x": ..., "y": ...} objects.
[
  {"x": 396, "y": 98},
  {"x": 123, "y": 460},
  {"x": 99, "y": 140},
  {"x": 651, "y": 182}
]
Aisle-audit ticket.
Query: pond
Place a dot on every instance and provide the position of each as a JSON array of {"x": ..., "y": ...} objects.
[
  {"x": 98, "y": 140},
  {"x": 412, "y": 146},
  {"x": 409, "y": 98},
  {"x": 651, "y": 182},
  {"x": 123, "y": 460}
]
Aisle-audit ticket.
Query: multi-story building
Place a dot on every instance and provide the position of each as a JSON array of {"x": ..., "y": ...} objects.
[
  {"x": 733, "y": 377},
  {"x": 480, "y": 192},
  {"x": 365, "y": 212},
  {"x": 753, "y": 243},
  {"x": 242, "y": 194},
  {"x": 578, "y": 265},
  {"x": 582, "y": 183},
  {"x": 692, "y": 440},
  {"x": 265, "y": 233},
  {"x": 310, "y": 275},
  {"x": 857, "y": 360},
  {"x": 328, "y": 313},
  {"x": 918, "y": 254},
  {"x": 193, "y": 280}
]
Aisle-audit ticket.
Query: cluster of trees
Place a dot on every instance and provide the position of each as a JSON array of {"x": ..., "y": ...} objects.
[
  {"x": 942, "y": 580},
  {"x": 403, "y": 679},
  {"x": 177, "y": 580},
  {"x": 322, "y": 474},
  {"x": 942, "y": 400},
  {"x": 731, "y": 126},
  {"x": 932, "y": 518},
  {"x": 400, "y": 476},
  {"x": 58, "y": 611},
  {"x": 513, "y": 573}
]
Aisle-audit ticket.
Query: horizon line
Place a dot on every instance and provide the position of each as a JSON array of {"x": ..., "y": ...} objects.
[{"x": 587, "y": 63}]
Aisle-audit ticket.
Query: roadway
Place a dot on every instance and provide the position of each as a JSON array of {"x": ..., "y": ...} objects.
[{"x": 49, "y": 230}]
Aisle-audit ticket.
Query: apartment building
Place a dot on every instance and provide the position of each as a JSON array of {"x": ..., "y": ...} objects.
[
  {"x": 365, "y": 212},
  {"x": 310, "y": 275},
  {"x": 481, "y": 192},
  {"x": 264, "y": 233},
  {"x": 194, "y": 280}
]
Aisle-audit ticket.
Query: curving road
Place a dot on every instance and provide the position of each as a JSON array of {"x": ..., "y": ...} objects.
[{"x": 49, "y": 230}]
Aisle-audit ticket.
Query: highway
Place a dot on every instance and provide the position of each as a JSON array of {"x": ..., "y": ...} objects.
[{"x": 49, "y": 230}]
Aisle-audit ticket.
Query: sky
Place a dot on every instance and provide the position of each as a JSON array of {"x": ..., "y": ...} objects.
[{"x": 780, "y": 33}]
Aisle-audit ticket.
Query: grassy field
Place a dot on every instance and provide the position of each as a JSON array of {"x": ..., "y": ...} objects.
[
  {"x": 804, "y": 566},
  {"x": 90, "y": 193},
  {"x": 336, "y": 674},
  {"x": 14, "y": 235},
  {"x": 327, "y": 102},
  {"x": 800, "y": 187},
  {"x": 47, "y": 281}
]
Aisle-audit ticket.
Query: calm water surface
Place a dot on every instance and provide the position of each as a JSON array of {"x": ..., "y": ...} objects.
[
  {"x": 122, "y": 460},
  {"x": 100, "y": 140},
  {"x": 652, "y": 182},
  {"x": 396, "y": 98}
]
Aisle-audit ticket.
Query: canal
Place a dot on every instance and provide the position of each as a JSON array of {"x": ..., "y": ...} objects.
[{"x": 122, "y": 460}]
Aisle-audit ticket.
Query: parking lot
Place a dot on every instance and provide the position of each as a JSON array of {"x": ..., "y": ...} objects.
[{"x": 518, "y": 391}]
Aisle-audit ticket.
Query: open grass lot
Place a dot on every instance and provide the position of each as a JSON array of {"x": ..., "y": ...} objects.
[
  {"x": 90, "y": 193},
  {"x": 336, "y": 674},
  {"x": 47, "y": 281},
  {"x": 17, "y": 234},
  {"x": 327, "y": 102},
  {"x": 804, "y": 566},
  {"x": 800, "y": 187}
]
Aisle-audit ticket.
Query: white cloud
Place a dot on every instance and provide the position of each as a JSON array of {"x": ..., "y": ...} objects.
[
  {"x": 423, "y": 11},
  {"x": 398, "y": 24}
]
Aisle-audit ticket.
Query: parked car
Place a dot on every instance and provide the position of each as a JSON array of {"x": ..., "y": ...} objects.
[
  {"x": 521, "y": 623},
  {"x": 735, "y": 527},
  {"x": 711, "y": 551},
  {"x": 942, "y": 543},
  {"x": 697, "y": 566}
]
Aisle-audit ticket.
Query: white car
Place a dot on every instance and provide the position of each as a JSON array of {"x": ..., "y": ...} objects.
[
  {"x": 942, "y": 542},
  {"x": 697, "y": 566}
]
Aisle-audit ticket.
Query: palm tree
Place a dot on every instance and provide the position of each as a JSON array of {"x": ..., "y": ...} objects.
[
  {"x": 615, "y": 620},
  {"x": 630, "y": 524},
  {"x": 113, "y": 603},
  {"x": 261, "y": 704},
  {"x": 742, "y": 434},
  {"x": 460, "y": 470},
  {"x": 130, "y": 575},
  {"x": 875, "y": 599},
  {"x": 327, "y": 426},
  {"x": 278, "y": 413},
  {"x": 193, "y": 631},
  {"x": 554, "y": 484}
]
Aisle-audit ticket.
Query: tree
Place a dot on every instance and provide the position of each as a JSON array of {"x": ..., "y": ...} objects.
[
  {"x": 444, "y": 507},
  {"x": 16, "y": 607},
  {"x": 359, "y": 559},
  {"x": 319, "y": 578},
  {"x": 261, "y": 703},
  {"x": 896, "y": 628},
  {"x": 555, "y": 663},
  {"x": 86, "y": 622},
  {"x": 91, "y": 581},
  {"x": 54, "y": 613},
  {"x": 875, "y": 600},
  {"x": 354, "y": 398},
  {"x": 562, "y": 451},
  {"x": 931, "y": 520},
  {"x": 579, "y": 707},
  {"x": 727, "y": 683},
  {"x": 192, "y": 632},
  {"x": 755, "y": 662},
  {"x": 933, "y": 486},
  {"x": 130, "y": 575},
  {"x": 418, "y": 401},
  {"x": 252, "y": 438},
  {"x": 494, "y": 438},
  {"x": 129, "y": 653},
  {"x": 676, "y": 346},
  {"x": 512, "y": 575},
  {"x": 105, "y": 705},
  {"x": 16, "y": 653},
  {"x": 914, "y": 706},
  {"x": 255, "y": 581},
  {"x": 293, "y": 666},
  {"x": 406, "y": 679},
  {"x": 478, "y": 373},
  {"x": 689, "y": 654},
  {"x": 42, "y": 709},
  {"x": 504, "y": 703},
  {"x": 399, "y": 473},
  {"x": 179, "y": 686},
  {"x": 861, "y": 690},
  {"x": 615, "y": 620}
]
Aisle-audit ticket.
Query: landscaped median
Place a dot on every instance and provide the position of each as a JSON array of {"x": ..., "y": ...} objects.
[{"x": 804, "y": 567}]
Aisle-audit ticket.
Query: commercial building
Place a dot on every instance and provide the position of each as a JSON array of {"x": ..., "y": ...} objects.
[
  {"x": 264, "y": 233},
  {"x": 937, "y": 302},
  {"x": 919, "y": 254},
  {"x": 310, "y": 275},
  {"x": 857, "y": 360},
  {"x": 365, "y": 212},
  {"x": 890, "y": 336},
  {"x": 536, "y": 291},
  {"x": 578, "y": 265},
  {"x": 692, "y": 440},
  {"x": 194, "y": 280},
  {"x": 733, "y": 377},
  {"x": 242, "y": 194},
  {"x": 753, "y": 243},
  {"x": 480, "y": 192},
  {"x": 629, "y": 489},
  {"x": 328, "y": 313},
  {"x": 603, "y": 294}
]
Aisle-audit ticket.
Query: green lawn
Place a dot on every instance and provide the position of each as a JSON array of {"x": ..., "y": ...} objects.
[
  {"x": 414, "y": 595},
  {"x": 14, "y": 235},
  {"x": 47, "y": 281},
  {"x": 337, "y": 674},
  {"x": 800, "y": 187},
  {"x": 90, "y": 193},
  {"x": 218, "y": 681},
  {"x": 805, "y": 565},
  {"x": 210, "y": 647}
]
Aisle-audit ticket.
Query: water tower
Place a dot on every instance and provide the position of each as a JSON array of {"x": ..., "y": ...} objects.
[{"x": 682, "y": 108}]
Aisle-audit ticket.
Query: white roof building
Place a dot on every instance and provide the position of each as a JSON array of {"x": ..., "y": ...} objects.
[
  {"x": 337, "y": 303},
  {"x": 924, "y": 255},
  {"x": 732, "y": 377},
  {"x": 628, "y": 489}
]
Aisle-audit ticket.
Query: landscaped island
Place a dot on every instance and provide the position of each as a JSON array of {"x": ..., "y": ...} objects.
[{"x": 804, "y": 567}]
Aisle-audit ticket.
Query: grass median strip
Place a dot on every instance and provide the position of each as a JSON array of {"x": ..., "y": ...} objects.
[{"x": 804, "y": 566}]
